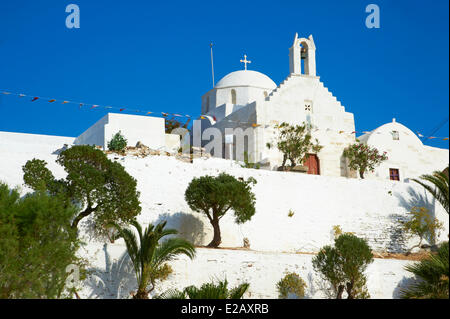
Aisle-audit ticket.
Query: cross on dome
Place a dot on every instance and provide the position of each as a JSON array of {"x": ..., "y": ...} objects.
[{"x": 245, "y": 61}]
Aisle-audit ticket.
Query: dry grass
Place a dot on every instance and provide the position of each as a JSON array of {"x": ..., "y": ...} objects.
[{"x": 413, "y": 256}]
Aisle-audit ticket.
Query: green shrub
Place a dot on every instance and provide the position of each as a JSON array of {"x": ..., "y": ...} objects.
[
  {"x": 343, "y": 266},
  {"x": 422, "y": 224},
  {"x": 291, "y": 284},
  {"x": 208, "y": 291},
  {"x": 363, "y": 158},
  {"x": 117, "y": 143},
  {"x": 431, "y": 275},
  {"x": 37, "y": 244},
  {"x": 295, "y": 142}
]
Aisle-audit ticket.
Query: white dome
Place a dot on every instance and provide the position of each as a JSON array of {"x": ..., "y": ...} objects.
[
  {"x": 246, "y": 78},
  {"x": 384, "y": 133}
]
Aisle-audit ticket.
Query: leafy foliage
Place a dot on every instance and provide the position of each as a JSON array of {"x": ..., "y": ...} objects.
[
  {"x": 208, "y": 291},
  {"x": 36, "y": 245},
  {"x": 291, "y": 284},
  {"x": 149, "y": 256},
  {"x": 248, "y": 164},
  {"x": 173, "y": 123},
  {"x": 215, "y": 196},
  {"x": 118, "y": 143},
  {"x": 432, "y": 276},
  {"x": 295, "y": 142},
  {"x": 422, "y": 224},
  {"x": 98, "y": 185},
  {"x": 363, "y": 158},
  {"x": 344, "y": 264},
  {"x": 438, "y": 188}
]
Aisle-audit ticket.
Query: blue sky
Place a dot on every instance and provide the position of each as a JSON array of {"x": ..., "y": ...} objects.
[{"x": 155, "y": 56}]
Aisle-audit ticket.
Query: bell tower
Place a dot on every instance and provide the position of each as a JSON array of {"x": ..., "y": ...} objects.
[{"x": 302, "y": 49}]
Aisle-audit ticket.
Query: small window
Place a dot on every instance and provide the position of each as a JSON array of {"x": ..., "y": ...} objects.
[
  {"x": 394, "y": 174},
  {"x": 308, "y": 106},
  {"x": 207, "y": 105},
  {"x": 395, "y": 135},
  {"x": 233, "y": 96}
]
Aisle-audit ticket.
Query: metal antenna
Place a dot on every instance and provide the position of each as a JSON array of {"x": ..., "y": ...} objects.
[{"x": 212, "y": 63}]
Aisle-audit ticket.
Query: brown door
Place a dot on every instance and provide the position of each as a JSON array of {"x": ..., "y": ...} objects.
[{"x": 312, "y": 161}]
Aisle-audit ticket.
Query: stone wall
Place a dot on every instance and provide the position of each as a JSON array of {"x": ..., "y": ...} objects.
[{"x": 112, "y": 276}]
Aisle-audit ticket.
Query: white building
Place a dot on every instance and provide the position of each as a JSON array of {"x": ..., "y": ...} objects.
[
  {"x": 145, "y": 129},
  {"x": 407, "y": 156},
  {"x": 251, "y": 101}
]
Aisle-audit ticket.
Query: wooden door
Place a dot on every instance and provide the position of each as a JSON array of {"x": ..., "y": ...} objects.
[{"x": 312, "y": 161}]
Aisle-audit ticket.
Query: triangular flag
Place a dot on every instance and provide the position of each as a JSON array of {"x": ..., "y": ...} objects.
[
  {"x": 34, "y": 99},
  {"x": 255, "y": 125},
  {"x": 164, "y": 114},
  {"x": 6, "y": 93},
  {"x": 65, "y": 102},
  {"x": 94, "y": 106},
  {"x": 121, "y": 110},
  {"x": 52, "y": 100},
  {"x": 21, "y": 95},
  {"x": 445, "y": 138},
  {"x": 148, "y": 113}
]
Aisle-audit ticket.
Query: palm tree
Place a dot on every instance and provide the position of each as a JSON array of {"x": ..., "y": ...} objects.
[
  {"x": 438, "y": 188},
  {"x": 149, "y": 256},
  {"x": 431, "y": 277},
  {"x": 208, "y": 291}
]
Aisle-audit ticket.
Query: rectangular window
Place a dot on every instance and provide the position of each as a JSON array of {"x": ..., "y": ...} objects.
[
  {"x": 394, "y": 174},
  {"x": 395, "y": 135}
]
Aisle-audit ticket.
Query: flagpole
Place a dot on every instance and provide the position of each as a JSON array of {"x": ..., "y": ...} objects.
[{"x": 212, "y": 63}]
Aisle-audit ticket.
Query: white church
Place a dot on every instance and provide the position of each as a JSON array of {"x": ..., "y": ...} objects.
[
  {"x": 251, "y": 101},
  {"x": 290, "y": 206}
]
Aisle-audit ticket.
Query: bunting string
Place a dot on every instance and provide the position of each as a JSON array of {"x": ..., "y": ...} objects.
[{"x": 212, "y": 119}]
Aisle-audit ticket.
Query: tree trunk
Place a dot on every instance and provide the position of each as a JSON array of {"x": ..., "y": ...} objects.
[
  {"x": 350, "y": 290},
  {"x": 292, "y": 162},
  {"x": 80, "y": 216},
  {"x": 361, "y": 174},
  {"x": 340, "y": 291},
  {"x": 141, "y": 294},
  {"x": 284, "y": 161},
  {"x": 217, "y": 240}
]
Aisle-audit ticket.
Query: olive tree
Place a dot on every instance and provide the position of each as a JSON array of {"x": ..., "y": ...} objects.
[
  {"x": 295, "y": 141},
  {"x": 344, "y": 264},
  {"x": 363, "y": 158},
  {"x": 98, "y": 186},
  {"x": 215, "y": 196}
]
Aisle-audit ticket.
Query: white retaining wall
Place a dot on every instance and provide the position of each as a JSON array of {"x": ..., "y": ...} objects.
[{"x": 369, "y": 208}]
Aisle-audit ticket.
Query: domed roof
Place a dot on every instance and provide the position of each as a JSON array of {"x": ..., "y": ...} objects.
[
  {"x": 384, "y": 132},
  {"x": 246, "y": 78}
]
